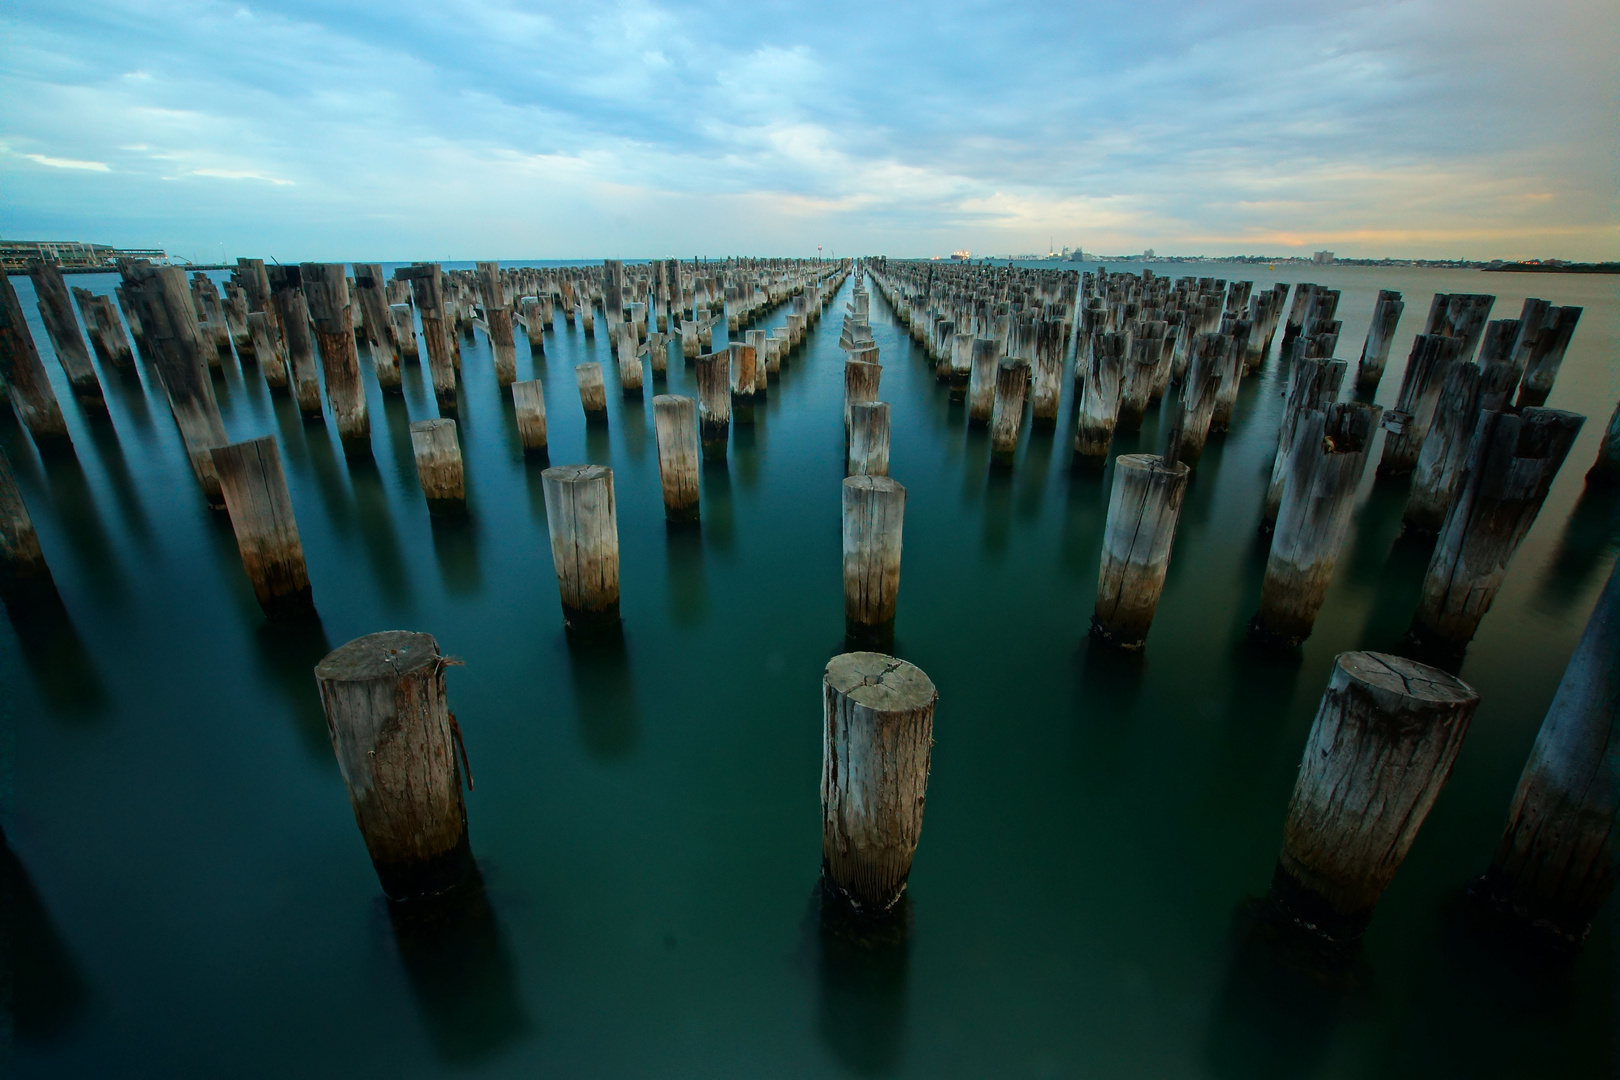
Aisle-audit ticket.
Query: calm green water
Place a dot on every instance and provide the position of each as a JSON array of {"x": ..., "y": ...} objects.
[{"x": 196, "y": 899}]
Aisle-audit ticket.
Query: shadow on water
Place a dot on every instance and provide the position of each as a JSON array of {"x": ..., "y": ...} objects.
[
  {"x": 633, "y": 421},
  {"x": 377, "y": 534},
  {"x": 998, "y": 494},
  {"x": 111, "y": 453},
  {"x": 127, "y": 390},
  {"x": 1108, "y": 687},
  {"x": 82, "y": 526},
  {"x": 56, "y": 655},
  {"x": 719, "y": 517},
  {"x": 323, "y": 462},
  {"x": 287, "y": 651},
  {"x": 604, "y": 694},
  {"x": 1396, "y": 595},
  {"x": 683, "y": 553},
  {"x": 47, "y": 992},
  {"x": 1377, "y": 526},
  {"x": 1033, "y": 471},
  {"x": 1587, "y": 545},
  {"x": 1085, "y": 512},
  {"x": 745, "y": 453},
  {"x": 397, "y": 418},
  {"x": 598, "y": 444},
  {"x": 534, "y": 481},
  {"x": 863, "y": 966},
  {"x": 1280, "y": 1003},
  {"x": 455, "y": 544},
  {"x": 456, "y": 959}
]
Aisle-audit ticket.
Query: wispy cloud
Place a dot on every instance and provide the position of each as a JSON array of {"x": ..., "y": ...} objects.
[{"x": 488, "y": 127}]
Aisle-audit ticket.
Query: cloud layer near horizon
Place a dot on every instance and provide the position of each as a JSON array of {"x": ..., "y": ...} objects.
[{"x": 493, "y": 128}]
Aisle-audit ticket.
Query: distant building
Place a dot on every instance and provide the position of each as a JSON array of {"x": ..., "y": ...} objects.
[
  {"x": 14, "y": 254},
  {"x": 961, "y": 256},
  {"x": 1321, "y": 258},
  {"x": 1148, "y": 254}
]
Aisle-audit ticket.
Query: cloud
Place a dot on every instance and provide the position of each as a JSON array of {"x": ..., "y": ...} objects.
[
  {"x": 68, "y": 163},
  {"x": 474, "y": 127}
]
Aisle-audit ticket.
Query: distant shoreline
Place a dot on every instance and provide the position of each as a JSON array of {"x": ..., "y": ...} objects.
[{"x": 1567, "y": 268}]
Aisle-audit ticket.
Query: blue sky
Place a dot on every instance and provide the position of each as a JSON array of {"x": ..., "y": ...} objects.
[{"x": 350, "y": 129}]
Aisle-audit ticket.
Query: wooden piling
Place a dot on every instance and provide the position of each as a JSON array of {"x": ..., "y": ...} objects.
[
  {"x": 1512, "y": 463},
  {"x": 628, "y": 359},
  {"x": 372, "y": 294},
  {"x": 1209, "y": 357},
  {"x": 23, "y": 571},
  {"x": 1099, "y": 400},
  {"x": 403, "y": 319},
  {"x": 56, "y": 311},
  {"x": 592, "y": 392},
  {"x": 1046, "y": 375},
  {"x": 397, "y": 748},
  {"x": 105, "y": 330},
  {"x": 679, "y": 455},
  {"x": 23, "y": 374},
  {"x": 1444, "y": 455},
  {"x": 498, "y": 322},
  {"x": 179, "y": 355},
  {"x": 743, "y": 379},
  {"x": 427, "y": 290},
  {"x": 877, "y": 737},
  {"x": 868, "y": 439},
  {"x": 1547, "y": 355},
  {"x": 1380, "y": 749},
  {"x": 982, "y": 381},
  {"x": 583, "y": 523},
  {"x": 862, "y": 381},
  {"x": 1313, "y": 383},
  {"x": 1325, "y": 463},
  {"x": 874, "y": 521},
  {"x": 529, "y": 406},
  {"x": 714, "y": 403},
  {"x": 1605, "y": 471},
  {"x": 1433, "y": 357},
  {"x": 1142, "y": 513},
  {"x": 271, "y": 364},
  {"x": 256, "y": 495},
  {"x": 1380, "y": 335},
  {"x": 438, "y": 466},
  {"x": 534, "y": 326},
  {"x": 1554, "y": 867},
  {"x": 292, "y": 313},
  {"x": 326, "y": 290},
  {"x": 1007, "y": 414}
]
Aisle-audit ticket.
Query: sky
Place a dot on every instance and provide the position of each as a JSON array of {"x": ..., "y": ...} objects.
[{"x": 458, "y": 129}]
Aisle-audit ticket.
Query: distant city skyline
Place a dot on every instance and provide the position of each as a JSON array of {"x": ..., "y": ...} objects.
[{"x": 489, "y": 129}]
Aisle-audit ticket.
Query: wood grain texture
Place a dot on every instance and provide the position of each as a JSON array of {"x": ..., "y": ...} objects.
[
  {"x": 1386, "y": 316},
  {"x": 1380, "y": 749},
  {"x": 877, "y": 740},
  {"x": 438, "y": 466},
  {"x": 62, "y": 327},
  {"x": 427, "y": 292},
  {"x": 868, "y": 439},
  {"x": 529, "y": 406},
  {"x": 24, "y": 374},
  {"x": 260, "y": 506},
  {"x": 874, "y": 509},
  {"x": 680, "y": 455},
  {"x": 297, "y": 340},
  {"x": 23, "y": 570},
  {"x": 1099, "y": 399},
  {"x": 1313, "y": 384},
  {"x": 1007, "y": 414},
  {"x": 583, "y": 522},
  {"x": 331, "y": 312},
  {"x": 981, "y": 392},
  {"x": 1432, "y": 358},
  {"x": 713, "y": 372},
  {"x": 1143, "y": 510},
  {"x": 395, "y": 741}
]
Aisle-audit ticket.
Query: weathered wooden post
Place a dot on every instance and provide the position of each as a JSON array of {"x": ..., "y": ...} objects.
[
  {"x": 1605, "y": 471},
  {"x": 584, "y": 527},
  {"x": 371, "y": 288},
  {"x": 427, "y": 291},
  {"x": 743, "y": 378},
  {"x": 868, "y": 439},
  {"x": 1210, "y": 356},
  {"x": 529, "y": 406},
  {"x": 1136, "y": 381},
  {"x": 1546, "y": 355},
  {"x": 981, "y": 395},
  {"x": 592, "y": 392},
  {"x": 326, "y": 291},
  {"x": 271, "y": 364},
  {"x": 403, "y": 319},
  {"x": 1046, "y": 376},
  {"x": 658, "y": 354},
  {"x": 1512, "y": 463},
  {"x": 877, "y": 736},
  {"x": 292, "y": 312},
  {"x": 1007, "y": 414},
  {"x": 874, "y": 520},
  {"x": 1554, "y": 867},
  {"x": 1433, "y": 357},
  {"x": 24, "y": 374},
  {"x": 1444, "y": 456},
  {"x": 1313, "y": 383},
  {"x": 1375, "y": 352},
  {"x": 756, "y": 340},
  {"x": 397, "y": 747},
  {"x": 679, "y": 455},
  {"x": 438, "y": 466},
  {"x": 256, "y": 495},
  {"x": 1142, "y": 513},
  {"x": 164, "y": 302},
  {"x": 23, "y": 571},
  {"x": 56, "y": 311},
  {"x": 628, "y": 359},
  {"x": 498, "y": 320},
  {"x": 862, "y": 380},
  {"x": 106, "y": 332},
  {"x": 1099, "y": 400},
  {"x": 534, "y": 326},
  {"x": 1379, "y": 751},
  {"x": 1325, "y": 463},
  {"x": 714, "y": 403}
]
